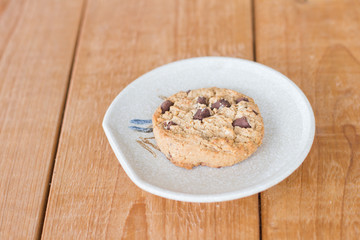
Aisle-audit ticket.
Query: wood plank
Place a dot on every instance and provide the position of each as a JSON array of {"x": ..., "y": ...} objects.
[
  {"x": 36, "y": 50},
  {"x": 91, "y": 196},
  {"x": 316, "y": 44}
]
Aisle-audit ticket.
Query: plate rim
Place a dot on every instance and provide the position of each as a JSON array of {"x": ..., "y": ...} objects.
[{"x": 227, "y": 196}]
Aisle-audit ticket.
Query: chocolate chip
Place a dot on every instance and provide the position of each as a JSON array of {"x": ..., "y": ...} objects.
[
  {"x": 165, "y": 106},
  {"x": 255, "y": 112},
  {"x": 241, "y": 99},
  {"x": 201, "y": 100},
  {"x": 241, "y": 122},
  {"x": 168, "y": 124},
  {"x": 188, "y": 91},
  {"x": 220, "y": 103},
  {"x": 202, "y": 113}
]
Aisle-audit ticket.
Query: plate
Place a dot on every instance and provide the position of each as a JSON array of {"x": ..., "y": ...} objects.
[{"x": 288, "y": 121}]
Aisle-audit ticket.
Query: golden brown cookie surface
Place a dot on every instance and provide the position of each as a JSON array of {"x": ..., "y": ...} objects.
[{"x": 215, "y": 127}]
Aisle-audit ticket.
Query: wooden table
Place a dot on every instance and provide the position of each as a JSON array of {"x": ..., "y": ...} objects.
[{"x": 63, "y": 62}]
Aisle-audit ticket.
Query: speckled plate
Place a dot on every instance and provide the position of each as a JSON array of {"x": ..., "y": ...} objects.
[{"x": 288, "y": 119}]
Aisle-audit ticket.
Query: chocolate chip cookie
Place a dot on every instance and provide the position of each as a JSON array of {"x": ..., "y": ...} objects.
[{"x": 215, "y": 127}]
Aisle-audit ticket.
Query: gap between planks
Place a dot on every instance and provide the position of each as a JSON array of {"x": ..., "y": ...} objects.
[
  {"x": 58, "y": 135},
  {"x": 253, "y": 27}
]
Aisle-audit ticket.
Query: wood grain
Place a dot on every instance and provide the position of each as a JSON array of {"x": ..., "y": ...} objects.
[
  {"x": 36, "y": 49},
  {"x": 91, "y": 197},
  {"x": 316, "y": 44}
]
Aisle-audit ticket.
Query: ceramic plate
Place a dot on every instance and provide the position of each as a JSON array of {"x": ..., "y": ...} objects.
[{"x": 288, "y": 119}]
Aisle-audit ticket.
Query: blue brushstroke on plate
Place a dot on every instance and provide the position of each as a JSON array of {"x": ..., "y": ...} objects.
[
  {"x": 140, "y": 121},
  {"x": 140, "y": 129}
]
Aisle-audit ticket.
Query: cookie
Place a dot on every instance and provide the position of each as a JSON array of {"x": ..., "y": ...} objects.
[{"x": 215, "y": 127}]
